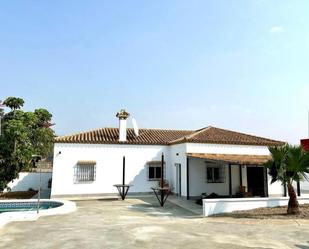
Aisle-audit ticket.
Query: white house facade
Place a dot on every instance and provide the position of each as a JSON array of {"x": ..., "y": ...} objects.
[{"x": 209, "y": 160}]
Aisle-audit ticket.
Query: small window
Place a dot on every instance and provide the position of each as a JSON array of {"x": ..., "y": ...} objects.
[
  {"x": 84, "y": 173},
  {"x": 215, "y": 173},
  {"x": 154, "y": 171}
]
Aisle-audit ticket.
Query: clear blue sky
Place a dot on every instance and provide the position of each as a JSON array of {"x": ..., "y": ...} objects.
[{"x": 240, "y": 65}]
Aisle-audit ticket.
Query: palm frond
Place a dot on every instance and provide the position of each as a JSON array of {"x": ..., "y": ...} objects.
[{"x": 288, "y": 163}]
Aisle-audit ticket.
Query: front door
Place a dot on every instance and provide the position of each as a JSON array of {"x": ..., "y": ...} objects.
[
  {"x": 255, "y": 179},
  {"x": 178, "y": 179}
]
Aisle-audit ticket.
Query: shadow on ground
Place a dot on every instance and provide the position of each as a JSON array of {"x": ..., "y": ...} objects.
[
  {"x": 303, "y": 246},
  {"x": 151, "y": 207}
]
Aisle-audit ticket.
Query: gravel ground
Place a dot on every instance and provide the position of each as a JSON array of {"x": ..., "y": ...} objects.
[{"x": 268, "y": 213}]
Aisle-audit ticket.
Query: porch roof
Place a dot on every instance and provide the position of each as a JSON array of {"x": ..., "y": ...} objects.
[{"x": 232, "y": 158}]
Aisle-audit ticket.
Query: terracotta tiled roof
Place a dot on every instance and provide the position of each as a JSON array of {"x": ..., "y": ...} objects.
[
  {"x": 232, "y": 158},
  {"x": 221, "y": 136},
  {"x": 111, "y": 136},
  {"x": 166, "y": 137}
]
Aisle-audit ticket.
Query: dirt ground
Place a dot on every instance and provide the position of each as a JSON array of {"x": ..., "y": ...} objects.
[{"x": 269, "y": 213}]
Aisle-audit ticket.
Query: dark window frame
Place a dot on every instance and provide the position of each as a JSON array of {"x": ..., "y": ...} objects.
[
  {"x": 215, "y": 173},
  {"x": 154, "y": 168}
]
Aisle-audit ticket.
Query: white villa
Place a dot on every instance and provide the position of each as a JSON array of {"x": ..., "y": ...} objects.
[{"x": 209, "y": 160}]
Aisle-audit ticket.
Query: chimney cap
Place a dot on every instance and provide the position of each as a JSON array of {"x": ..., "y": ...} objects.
[{"x": 122, "y": 114}]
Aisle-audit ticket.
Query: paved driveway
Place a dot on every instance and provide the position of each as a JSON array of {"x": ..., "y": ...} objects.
[{"x": 140, "y": 223}]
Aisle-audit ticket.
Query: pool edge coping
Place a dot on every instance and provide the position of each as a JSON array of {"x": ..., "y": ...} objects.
[{"x": 7, "y": 217}]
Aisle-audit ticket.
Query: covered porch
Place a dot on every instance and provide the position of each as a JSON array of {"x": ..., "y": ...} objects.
[{"x": 226, "y": 175}]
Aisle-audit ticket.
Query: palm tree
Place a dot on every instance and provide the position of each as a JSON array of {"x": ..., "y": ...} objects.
[{"x": 289, "y": 164}]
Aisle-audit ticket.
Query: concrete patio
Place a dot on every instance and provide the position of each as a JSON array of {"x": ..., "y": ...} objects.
[{"x": 141, "y": 223}]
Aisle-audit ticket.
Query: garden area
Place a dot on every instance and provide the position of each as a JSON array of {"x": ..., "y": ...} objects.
[
  {"x": 269, "y": 213},
  {"x": 26, "y": 137},
  {"x": 18, "y": 195}
]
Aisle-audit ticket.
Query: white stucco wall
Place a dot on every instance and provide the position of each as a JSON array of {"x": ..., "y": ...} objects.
[
  {"x": 197, "y": 167},
  {"x": 275, "y": 189},
  {"x": 198, "y": 181},
  {"x": 108, "y": 167},
  {"x": 304, "y": 187},
  {"x": 244, "y": 176},
  {"x": 227, "y": 149},
  {"x": 28, "y": 180},
  {"x": 178, "y": 155},
  {"x": 235, "y": 178}
]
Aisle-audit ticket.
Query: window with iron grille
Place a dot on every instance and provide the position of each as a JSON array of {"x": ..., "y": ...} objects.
[
  {"x": 215, "y": 173},
  {"x": 84, "y": 173}
]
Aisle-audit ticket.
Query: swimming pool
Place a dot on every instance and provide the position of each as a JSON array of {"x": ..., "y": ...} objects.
[
  {"x": 27, "y": 206},
  {"x": 26, "y": 209}
]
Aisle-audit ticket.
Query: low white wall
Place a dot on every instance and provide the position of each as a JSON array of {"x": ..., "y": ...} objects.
[
  {"x": 218, "y": 206},
  {"x": 28, "y": 180}
]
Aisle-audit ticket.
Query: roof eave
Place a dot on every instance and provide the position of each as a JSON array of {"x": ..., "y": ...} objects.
[
  {"x": 113, "y": 143},
  {"x": 277, "y": 143}
]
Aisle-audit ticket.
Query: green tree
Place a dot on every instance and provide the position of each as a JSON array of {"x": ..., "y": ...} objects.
[
  {"x": 14, "y": 103},
  {"x": 289, "y": 164},
  {"x": 1, "y": 115},
  {"x": 23, "y": 135}
]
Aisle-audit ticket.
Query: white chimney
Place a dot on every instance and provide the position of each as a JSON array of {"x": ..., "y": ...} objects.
[{"x": 122, "y": 115}]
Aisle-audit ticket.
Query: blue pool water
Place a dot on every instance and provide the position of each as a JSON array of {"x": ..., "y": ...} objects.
[{"x": 27, "y": 206}]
